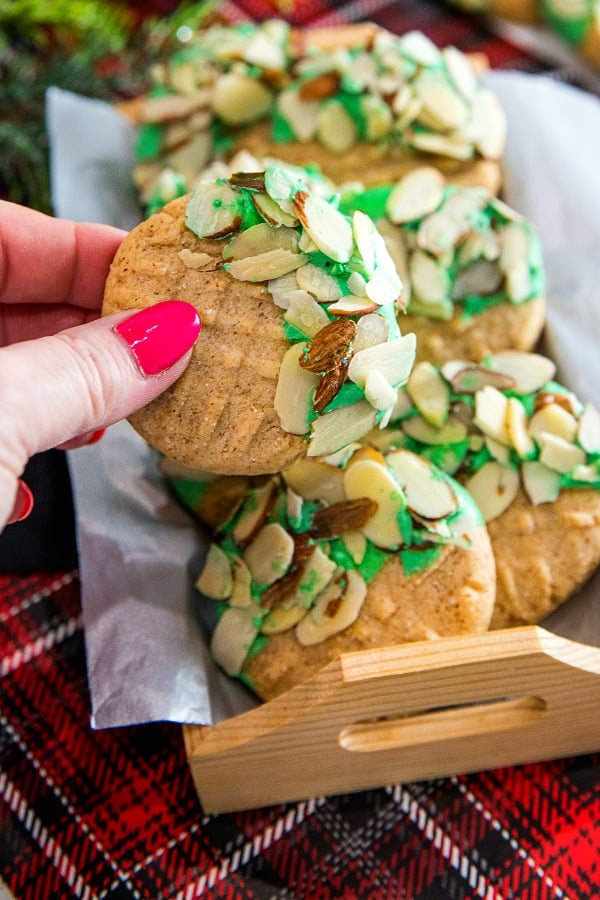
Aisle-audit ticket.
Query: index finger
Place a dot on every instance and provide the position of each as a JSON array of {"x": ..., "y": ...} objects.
[{"x": 48, "y": 260}]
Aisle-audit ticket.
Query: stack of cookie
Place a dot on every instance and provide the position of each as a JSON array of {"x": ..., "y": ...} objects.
[{"x": 361, "y": 426}]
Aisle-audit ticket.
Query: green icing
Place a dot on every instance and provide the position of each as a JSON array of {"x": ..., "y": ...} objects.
[
  {"x": 370, "y": 565},
  {"x": 347, "y": 394},
  {"x": 572, "y": 28},
  {"x": 418, "y": 560},
  {"x": 149, "y": 141},
  {"x": 372, "y": 201},
  {"x": 281, "y": 130},
  {"x": 189, "y": 492}
]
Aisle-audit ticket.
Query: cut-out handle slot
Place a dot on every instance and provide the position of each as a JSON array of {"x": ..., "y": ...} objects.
[{"x": 428, "y": 726}]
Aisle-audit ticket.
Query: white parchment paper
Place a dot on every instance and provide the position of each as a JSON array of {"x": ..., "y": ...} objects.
[{"x": 147, "y": 659}]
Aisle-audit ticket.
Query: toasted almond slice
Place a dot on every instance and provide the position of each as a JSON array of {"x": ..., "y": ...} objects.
[
  {"x": 333, "y": 612},
  {"x": 238, "y": 99},
  {"x": 282, "y": 618},
  {"x": 350, "y": 305},
  {"x": 394, "y": 360},
  {"x": 452, "y": 432},
  {"x": 355, "y": 543},
  {"x": 271, "y": 212},
  {"x": 340, "y": 427},
  {"x": 426, "y": 492},
  {"x": 318, "y": 571},
  {"x": 472, "y": 378},
  {"x": 517, "y": 428},
  {"x": 350, "y": 515},
  {"x": 530, "y": 371},
  {"x": 369, "y": 478},
  {"x": 328, "y": 228},
  {"x": 541, "y": 484},
  {"x": 216, "y": 579},
  {"x": 553, "y": 419},
  {"x": 260, "y": 239},
  {"x": 301, "y": 114},
  {"x": 336, "y": 129},
  {"x": 255, "y": 510},
  {"x": 487, "y": 112},
  {"x": 241, "y": 595},
  {"x": 293, "y": 505},
  {"x": 452, "y": 367},
  {"x": 295, "y": 386},
  {"x": 371, "y": 329},
  {"x": 430, "y": 280},
  {"x": 366, "y": 452},
  {"x": 559, "y": 454},
  {"x": 314, "y": 479},
  {"x": 430, "y": 393},
  {"x": 305, "y": 313},
  {"x": 417, "y": 194},
  {"x": 481, "y": 278},
  {"x": 265, "y": 266},
  {"x": 493, "y": 487},
  {"x": 212, "y": 210},
  {"x": 588, "y": 433},
  {"x": 232, "y": 638},
  {"x": 440, "y": 145},
  {"x": 490, "y": 413},
  {"x": 322, "y": 86},
  {"x": 316, "y": 281},
  {"x": 378, "y": 391},
  {"x": 269, "y": 556}
]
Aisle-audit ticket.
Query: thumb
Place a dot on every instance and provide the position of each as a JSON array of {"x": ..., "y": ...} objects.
[{"x": 80, "y": 380}]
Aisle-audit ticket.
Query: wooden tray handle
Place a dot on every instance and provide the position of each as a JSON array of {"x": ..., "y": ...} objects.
[{"x": 405, "y": 713}]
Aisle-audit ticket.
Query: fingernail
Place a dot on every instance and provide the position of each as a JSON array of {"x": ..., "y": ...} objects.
[
  {"x": 23, "y": 503},
  {"x": 95, "y": 437},
  {"x": 160, "y": 335}
]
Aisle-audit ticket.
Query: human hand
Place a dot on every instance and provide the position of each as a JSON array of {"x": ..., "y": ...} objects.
[{"x": 66, "y": 373}]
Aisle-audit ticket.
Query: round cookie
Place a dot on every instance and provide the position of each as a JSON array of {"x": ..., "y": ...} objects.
[
  {"x": 300, "y": 351},
  {"x": 529, "y": 453},
  {"x": 360, "y": 102},
  {"x": 471, "y": 266},
  {"x": 340, "y": 554}
]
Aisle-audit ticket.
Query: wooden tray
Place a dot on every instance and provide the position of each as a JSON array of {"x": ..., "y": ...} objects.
[{"x": 405, "y": 713}]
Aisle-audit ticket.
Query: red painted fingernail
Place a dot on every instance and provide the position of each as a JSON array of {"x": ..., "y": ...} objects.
[
  {"x": 160, "y": 335},
  {"x": 95, "y": 437},
  {"x": 23, "y": 503}
]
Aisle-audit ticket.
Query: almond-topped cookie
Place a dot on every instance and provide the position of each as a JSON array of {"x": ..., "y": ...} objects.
[
  {"x": 361, "y": 549},
  {"x": 358, "y": 101},
  {"x": 472, "y": 266},
  {"x": 528, "y": 452},
  {"x": 300, "y": 353}
]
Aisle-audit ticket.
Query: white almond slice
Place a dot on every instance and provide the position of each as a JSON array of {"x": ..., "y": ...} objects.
[
  {"x": 408, "y": 116},
  {"x": 266, "y": 51},
  {"x": 440, "y": 145},
  {"x": 372, "y": 479},
  {"x": 460, "y": 71},
  {"x": 384, "y": 286},
  {"x": 315, "y": 479},
  {"x": 430, "y": 393},
  {"x": 499, "y": 452},
  {"x": 398, "y": 252},
  {"x": 293, "y": 505},
  {"x": 254, "y": 512},
  {"x": 430, "y": 281},
  {"x": 316, "y": 281},
  {"x": 559, "y": 454},
  {"x": 241, "y": 595},
  {"x": 443, "y": 107},
  {"x": 355, "y": 543},
  {"x": 420, "y": 48},
  {"x": 194, "y": 260},
  {"x": 588, "y": 433},
  {"x": 281, "y": 185},
  {"x": 232, "y": 638},
  {"x": 394, "y": 360},
  {"x": 377, "y": 117},
  {"x": 379, "y": 392},
  {"x": 371, "y": 329},
  {"x": 364, "y": 229},
  {"x": 317, "y": 573},
  {"x": 452, "y": 367},
  {"x": 281, "y": 288},
  {"x": 336, "y": 129},
  {"x": 329, "y": 616},
  {"x": 281, "y": 618},
  {"x": 264, "y": 266},
  {"x": 216, "y": 579},
  {"x": 238, "y": 98},
  {"x": 586, "y": 473},
  {"x": 212, "y": 210},
  {"x": 341, "y": 457},
  {"x": 452, "y": 432},
  {"x": 487, "y": 112},
  {"x": 517, "y": 428},
  {"x": 514, "y": 246},
  {"x": 518, "y": 283},
  {"x": 541, "y": 484},
  {"x": 305, "y": 314},
  {"x": 260, "y": 239},
  {"x": 553, "y": 419},
  {"x": 490, "y": 413},
  {"x": 530, "y": 371},
  {"x": 269, "y": 556},
  {"x": 272, "y": 212},
  {"x": 493, "y": 488},
  {"x": 295, "y": 386},
  {"x": 402, "y": 406},
  {"x": 340, "y": 427},
  {"x": 327, "y": 227},
  {"x": 357, "y": 284},
  {"x": 426, "y": 492},
  {"x": 417, "y": 194},
  {"x": 301, "y": 115}
]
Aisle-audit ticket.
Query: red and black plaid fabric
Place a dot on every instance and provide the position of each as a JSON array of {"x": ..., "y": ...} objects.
[{"x": 113, "y": 814}]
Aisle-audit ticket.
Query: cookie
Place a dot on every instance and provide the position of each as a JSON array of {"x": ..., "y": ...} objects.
[
  {"x": 471, "y": 266},
  {"x": 528, "y": 451},
  {"x": 359, "y": 102},
  {"x": 300, "y": 351},
  {"x": 338, "y": 554}
]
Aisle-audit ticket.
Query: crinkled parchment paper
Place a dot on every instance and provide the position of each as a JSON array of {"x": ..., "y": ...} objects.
[{"x": 147, "y": 659}]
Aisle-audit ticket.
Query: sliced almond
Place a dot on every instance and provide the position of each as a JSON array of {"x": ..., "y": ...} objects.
[
  {"x": 440, "y": 145},
  {"x": 195, "y": 260},
  {"x": 553, "y": 419},
  {"x": 293, "y": 506},
  {"x": 371, "y": 479},
  {"x": 430, "y": 393},
  {"x": 333, "y": 613},
  {"x": 420, "y": 48},
  {"x": 260, "y": 239},
  {"x": 587, "y": 473},
  {"x": 518, "y": 283},
  {"x": 541, "y": 484},
  {"x": 350, "y": 515},
  {"x": 517, "y": 428},
  {"x": 460, "y": 71},
  {"x": 336, "y": 129},
  {"x": 281, "y": 618},
  {"x": 530, "y": 371},
  {"x": 384, "y": 286},
  {"x": 272, "y": 212},
  {"x": 452, "y": 367},
  {"x": 443, "y": 108},
  {"x": 316, "y": 281},
  {"x": 430, "y": 281},
  {"x": 480, "y": 279},
  {"x": 305, "y": 314},
  {"x": 489, "y": 115},
  {"x": 350, "y": 305},
  {"x": 216, "y": 579},
  {"x": 269, "y": 556},
  {"x": 394, "y": 360},
  {"x": 232, "y": 638},
  {"x": 355, "y": 543},
  {"x": 328, "y": 228},
  {"x": 377, "y": 117},
  {"x": 490, "y": 413},
  {"x": 264, "y": 266},
  {"x": 282, "y": 288},
  {"x": 295, "y": 386},
  {"x": 314, "y": 479},
  {"x": 340, "y": 427},
  {"x": 426, "y": 492},
  {"x": 238, "y": 99},
  {"x": 255, "y": 510},
  {"x": 212, "y": 210},
  {"x": 329, "y": 386},
  {"x": 301, "y": 114},
  {"x": 318, "y": 571},
  {"x": 241, "y": 595},
  {"x": 452, "y": 432},
  {"x": 559, "y": 454},
  {"x": 499, "y": 452},
  {"x": 379, "y": 392},
  {"x": 514, "y": 246},
  {"x": 493, "y": 487},
  {"x": 473, "y": 378},
  {"x": 588, "y": 433},
  {"x": 371, "y": 329},
  {"x": 321, "y": 86},
  {"x": 417, "y": 194}
]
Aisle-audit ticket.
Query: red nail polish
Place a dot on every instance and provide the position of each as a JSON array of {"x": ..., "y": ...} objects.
[
  {"x": 23, "y": 503},
  {"x": 160, "y": 335},
  {"x": 95, "y": 437}
]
